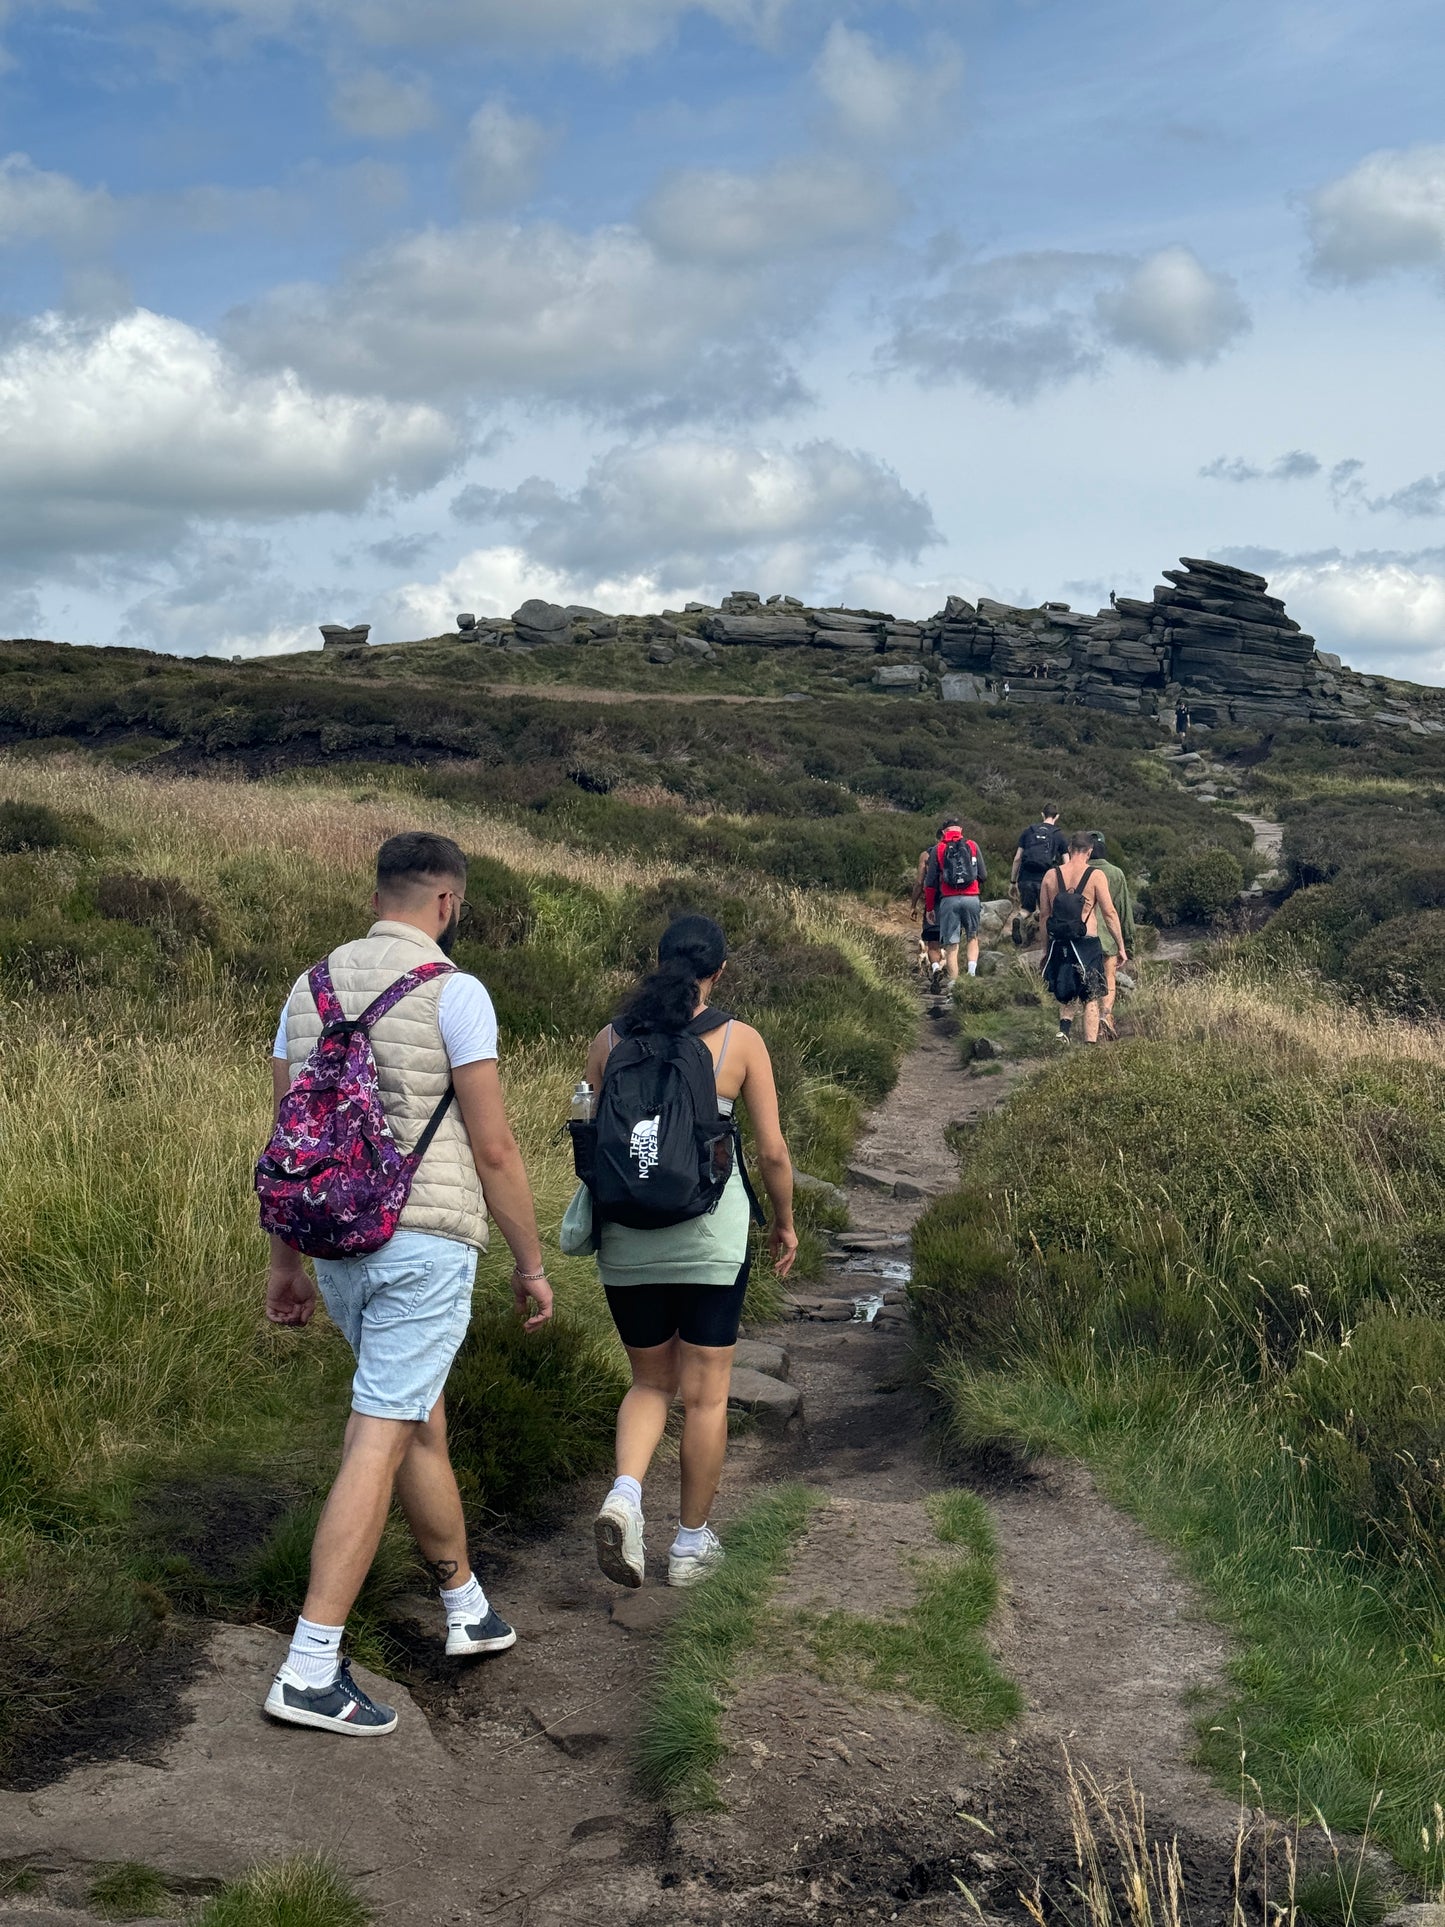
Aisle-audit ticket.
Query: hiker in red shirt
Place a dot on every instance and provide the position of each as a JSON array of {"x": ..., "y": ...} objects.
[{"x": 955, "y": 870}]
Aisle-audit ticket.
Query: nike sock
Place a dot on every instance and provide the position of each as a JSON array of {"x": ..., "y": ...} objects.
[
  {"x": 629, "y": 1489},
  {"x": 315, "y": 1652},
  {"x": 973, "y": 968},
  {"x": 468, "y": 1599},
  {"x": 690, "y": 1538}
]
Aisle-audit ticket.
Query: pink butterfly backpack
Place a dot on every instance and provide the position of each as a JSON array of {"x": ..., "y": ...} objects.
[{"x": 333, "y": 1181}]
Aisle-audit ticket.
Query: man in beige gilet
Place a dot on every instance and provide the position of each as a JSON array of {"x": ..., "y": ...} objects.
[{"x": 405, "y": 1308}]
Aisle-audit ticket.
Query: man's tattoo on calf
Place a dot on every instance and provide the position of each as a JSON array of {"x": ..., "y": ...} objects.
[{"x": 443, "y": 1571}]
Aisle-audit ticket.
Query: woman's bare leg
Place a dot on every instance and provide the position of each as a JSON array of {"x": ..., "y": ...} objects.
[
  {"x": 642, "y": 1415},
  {"x": 703, "y": 1379}
]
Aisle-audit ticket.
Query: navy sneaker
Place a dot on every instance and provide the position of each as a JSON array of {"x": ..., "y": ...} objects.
[
  {"x": 341, "y": 1707},
  {"x": 465, "y": 1636}
]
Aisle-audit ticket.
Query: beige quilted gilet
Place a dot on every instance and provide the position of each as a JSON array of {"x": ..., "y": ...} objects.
[{"x": 413, "y": 1072}]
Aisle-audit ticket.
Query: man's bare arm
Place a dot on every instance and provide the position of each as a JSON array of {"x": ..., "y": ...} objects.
[
  {"x": 504, "y": 1181},
  {"x": 1048, "y": 890}
]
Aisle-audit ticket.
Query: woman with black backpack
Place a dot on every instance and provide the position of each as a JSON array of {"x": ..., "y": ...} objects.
[{"x": 672, "y": 1203}]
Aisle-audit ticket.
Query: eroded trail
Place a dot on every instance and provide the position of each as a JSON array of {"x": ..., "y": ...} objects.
[{"x": 506, "y": 1796}]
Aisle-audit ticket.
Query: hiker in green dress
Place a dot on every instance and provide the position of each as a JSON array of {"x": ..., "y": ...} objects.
[
  {"x": 676, "y": 1290},
  {"x": 1124, "y": 903}
]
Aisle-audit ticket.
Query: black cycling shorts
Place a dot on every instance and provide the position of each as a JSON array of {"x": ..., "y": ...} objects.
[
  {"x": 1029, "y": 887},
  {"x": 648, "y": 1315}
]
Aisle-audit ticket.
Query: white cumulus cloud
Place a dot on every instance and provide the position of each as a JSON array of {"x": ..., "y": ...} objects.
[
  {"x": 1017, "y": 324},
  {"x": 493, "y": 310},
  {"x": 880, "y": 96},
  {"x": 501, "y": 157},
  {"x": 806, "y": 202},
  {"x": 113, "y": 434},
  {"x": 1174, "y": 310},
  {"x": 689, "y": 510},
  {"x": 1386, "y": 213},
  {"x": 1380, "y": 611}
]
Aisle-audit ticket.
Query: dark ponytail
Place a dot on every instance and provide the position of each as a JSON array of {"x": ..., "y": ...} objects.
[{"x": 692, "y": 948}]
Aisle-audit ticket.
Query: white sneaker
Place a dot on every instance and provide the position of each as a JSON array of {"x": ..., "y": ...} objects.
[
  {"x": 686, "y": 1568},
  {"x": 1062, "y": 1037},
  {"x": 618, "y": 1533}
]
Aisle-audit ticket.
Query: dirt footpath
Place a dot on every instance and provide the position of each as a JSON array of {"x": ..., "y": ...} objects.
[{"x": 505, "y": 1794}]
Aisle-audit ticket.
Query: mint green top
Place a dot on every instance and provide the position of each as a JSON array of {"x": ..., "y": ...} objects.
[{"x": 703, "y": 1251}]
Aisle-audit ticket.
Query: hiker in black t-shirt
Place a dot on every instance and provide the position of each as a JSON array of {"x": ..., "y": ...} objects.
[
  {"x": 1040, "y": 847},
  {"x": 1181, "y": 721}
]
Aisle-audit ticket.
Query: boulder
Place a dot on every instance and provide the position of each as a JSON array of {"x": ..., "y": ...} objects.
[
  {"x": 805, "y": 1182},
  {"x": 768, "y": 1400},
  {"x": 659, "y": 652},
  {"x": 752, "y": 1355},
  {"x": 335, "y": 635},
  {"x": 843, "y": 619},
  {"x": 466, "y": 624},
  {"x": 862, "y": 641},
  {"x": 898, "y": 675},
  {"x": 543, "y": 618},
  {"x": 764, "y": 628},
  {"x": 700, "y": 647},
  {"x": 960, "y": 688}
]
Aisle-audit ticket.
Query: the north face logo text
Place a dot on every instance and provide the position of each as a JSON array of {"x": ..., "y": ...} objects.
[{"x": 642, "y": 1146}]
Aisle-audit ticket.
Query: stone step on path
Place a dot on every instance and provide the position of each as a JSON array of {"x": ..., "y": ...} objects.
[{"x": 759, "y": 1385}]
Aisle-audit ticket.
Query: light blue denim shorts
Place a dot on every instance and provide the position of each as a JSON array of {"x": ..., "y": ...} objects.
[{"x": 404, "y": 1310}]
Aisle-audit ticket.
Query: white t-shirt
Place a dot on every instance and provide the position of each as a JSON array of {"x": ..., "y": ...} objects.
[{"x": 465, "y": 1017}]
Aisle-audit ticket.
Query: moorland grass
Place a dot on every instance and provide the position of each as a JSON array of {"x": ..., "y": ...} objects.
[
  {"x": 130, "y": 1890},
  {"x": 935, "y": 1652},
  {"x": 679, "y": 1743},
  {"x": 304, "y": 1891},
  {"x": 1208, "y": 1263}
]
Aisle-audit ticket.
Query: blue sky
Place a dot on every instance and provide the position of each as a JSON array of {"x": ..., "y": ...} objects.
[{"x": 345, "y": 310}]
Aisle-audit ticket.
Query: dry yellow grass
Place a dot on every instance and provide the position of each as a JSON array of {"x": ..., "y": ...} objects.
[
  {"x": 1287, "y": 1017},
  {"x": 187, "y": 824}
]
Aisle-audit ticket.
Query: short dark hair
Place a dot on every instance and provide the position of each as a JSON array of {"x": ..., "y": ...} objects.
[
  {"x": 416, "y": 856},
  {"x": 1080, "y": 842},
  {"x": 1100, "y": 846},
  {"x": 1049, "y": 811},
  {"x": 949, "y": 823}
]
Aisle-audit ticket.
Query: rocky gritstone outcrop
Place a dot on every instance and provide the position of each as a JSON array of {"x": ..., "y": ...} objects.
[{"x": 1212, "y": 635}]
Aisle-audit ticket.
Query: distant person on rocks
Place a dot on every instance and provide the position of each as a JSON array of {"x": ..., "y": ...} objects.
[
  {"x": 1181, "y": 721},
  {"x": 955, "y": 870},
  {"x": 1007, "y": 692},
  {"x": 1072, "y": 902},
  {"x": 676, "y": 1288},
  {"x": 1040, "y": 847},
  {"x": 1123, "y": 900},
  {"x": 926, "y": 894},
  {"x": 404, "y": 1306}
]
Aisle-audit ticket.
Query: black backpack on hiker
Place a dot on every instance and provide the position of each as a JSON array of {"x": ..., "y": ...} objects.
[
  {"x": 1068, "y": 912},
  {"x": 957, "y": 863},
  {"x": 1036, "y": 848},
  {"x": 659, "y": 1151}
]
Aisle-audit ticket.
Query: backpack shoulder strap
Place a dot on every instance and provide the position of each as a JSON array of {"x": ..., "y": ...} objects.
[
  {"x": 404, "y": 985},
  {"x": 323, "y": 994}
]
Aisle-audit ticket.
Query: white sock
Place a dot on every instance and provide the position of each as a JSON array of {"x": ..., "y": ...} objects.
[
  {"x": 973, "y": 968},
  {"x": 628, "y": 1490},
  {"x": 690, "y": 1538},
  {"x": 468, "y": 1599},
  {"x": 315, "y": 1652}
]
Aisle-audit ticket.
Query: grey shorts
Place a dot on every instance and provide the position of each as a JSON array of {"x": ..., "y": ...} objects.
[
  {"x": 957, "y": 918},
  {"x": 404, "y": 1310}
]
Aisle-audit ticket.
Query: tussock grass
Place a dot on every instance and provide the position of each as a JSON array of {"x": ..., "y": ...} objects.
[
  {"x": 130, "y": 1891},
  {"x": 935, "y": 1652},
  {"x": 680, "y": 1741},
  {"x": 304, "y": 1891}
]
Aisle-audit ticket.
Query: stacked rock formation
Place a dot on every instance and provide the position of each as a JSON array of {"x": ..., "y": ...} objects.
[
  {"x": 1212, "y": 635},
  {"x": 336, "y": 635}
]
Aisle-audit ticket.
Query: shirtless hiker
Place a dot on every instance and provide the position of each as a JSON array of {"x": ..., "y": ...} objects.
[{"x": 1072, "y": 900}]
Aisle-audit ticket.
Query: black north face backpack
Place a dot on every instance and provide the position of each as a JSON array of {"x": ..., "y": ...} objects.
[{"x": 659, "y": 1151}]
